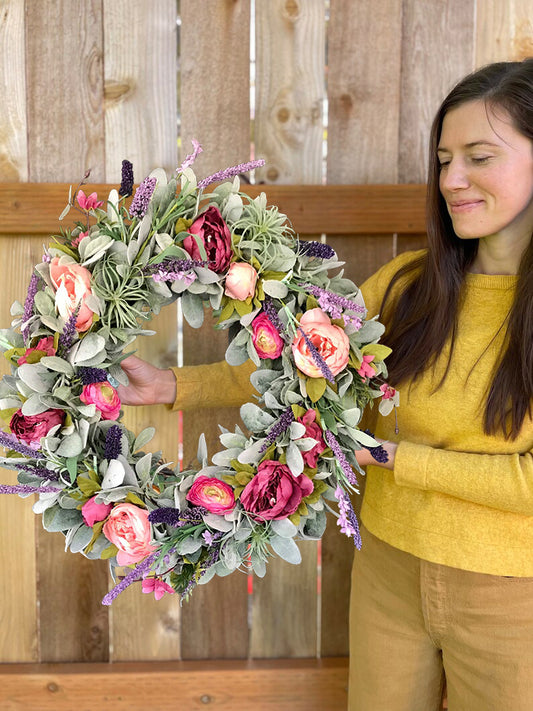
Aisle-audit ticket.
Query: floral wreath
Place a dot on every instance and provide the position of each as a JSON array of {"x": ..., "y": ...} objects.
[{"x": 318, "y": 359}]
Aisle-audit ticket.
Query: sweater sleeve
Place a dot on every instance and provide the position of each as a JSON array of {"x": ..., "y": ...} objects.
[
  {"x": 500, "y": 481},
  {"x": 213, "y": 385}
]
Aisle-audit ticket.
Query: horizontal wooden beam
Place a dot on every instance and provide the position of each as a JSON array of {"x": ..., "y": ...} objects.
[
  {"x": 266, "y": 685},
  {"x": 34, "y": 208}
]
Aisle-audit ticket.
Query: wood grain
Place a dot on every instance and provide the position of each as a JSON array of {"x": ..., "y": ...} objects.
[{"x": 504, "y": 31}]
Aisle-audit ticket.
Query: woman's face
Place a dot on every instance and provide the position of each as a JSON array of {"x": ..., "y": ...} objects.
[{"x": 486, "y": 175}]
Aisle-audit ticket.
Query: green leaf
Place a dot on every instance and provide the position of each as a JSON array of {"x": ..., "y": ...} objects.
[
  {"x": 376, "y": 349},
  {"x": 287, "y": 549},
  {"x": 87, "y": 486},
  {"x": 143, "y": 438},
  {"x": 58, "y": 364},
  {"x": 90, "y": 346},
  {"x": 315, "y": 387},
  {"x": 72, "y": 468}
]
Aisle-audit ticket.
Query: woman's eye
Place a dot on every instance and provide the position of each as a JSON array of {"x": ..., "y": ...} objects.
[
  {"x": 480, "y": 159},
  {"x": 444, "y": 164}
]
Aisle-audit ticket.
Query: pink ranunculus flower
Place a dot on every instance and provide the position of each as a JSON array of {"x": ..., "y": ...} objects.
[
  {"x": 213, "y": 494},
  {"x": 88, "y": 202},
  {"x": 330, "y": 341},
  {"x": 387, "y": 392},
  {"x": 105, "y": 397},
  {"x": 93, "y": 512},
  {"x": 75, "y": 242},
  {"x": 265, "y": 337},
  {"x": 156, "y": 586},
  {"x": 128, "y": 527},
  {"x": 72, "y": 283},
  {"x": 366, "y": 370},
  {"x": 214, "y": 234},
  {"x": 30, "y": 428},
  {"x": 240, "y": 281},
  {"x": 312, "y": 429},
  {"x": 45, "y": 347},
  {"x": 274, "y": 492}
]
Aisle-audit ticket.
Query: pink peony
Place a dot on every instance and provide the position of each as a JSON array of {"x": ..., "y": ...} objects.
[
  {"x": 127, "y": 526},
  {"x": 312, "y": 429},
  {"x": 105, "y": 397},
  {"x": 366, "y": 370},
  {"x": 330, "y": 341},
  {"x": 30, "y": 428},
  {"x": 93, "y": 512},
  {"x": 214, "y": 234},
  {"x": 211, "y": 493},
  {"x": 274, "y": 493},
  {"x": 45, "y": 347},
  {"x": 88, "y": 202},
  {"x": 265, "y": 337},
  {"x": 240, "y": 281},
  {"x": 72, "y": 283},
  {"x": 156, "y": 586}
]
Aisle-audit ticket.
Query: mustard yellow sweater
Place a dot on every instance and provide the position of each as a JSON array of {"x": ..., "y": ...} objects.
[{"x": 456, "y": 496}]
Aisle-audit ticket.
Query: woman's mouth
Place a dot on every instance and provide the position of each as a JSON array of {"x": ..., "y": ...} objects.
[{"x": 460, "y": 206}]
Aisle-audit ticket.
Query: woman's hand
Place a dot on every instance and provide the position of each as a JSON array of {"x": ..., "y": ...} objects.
[
  {"x": 364, "y": 456},
  {"x": 148, "y": 385}
]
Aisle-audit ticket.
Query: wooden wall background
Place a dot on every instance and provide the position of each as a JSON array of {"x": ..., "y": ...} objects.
[{"x": 86, "y": 83}]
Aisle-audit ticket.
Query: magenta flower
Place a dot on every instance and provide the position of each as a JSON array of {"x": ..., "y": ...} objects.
[
  {"x": 387, "y": 392},
  {"x": 313, "y": 430},
  {"x": 156, "y": 586},
  {"x": 366, "y": 370},
  {"x": 105, "y": 397},
  {"x": 93, "y": 512},
  {"x": 88, "y": 202},
  {"x": 45, "y": 347},
  {"x": 265, "y": 337},
  {"x": 274, "y": 492},
  {"x": 211, "y": 493}
]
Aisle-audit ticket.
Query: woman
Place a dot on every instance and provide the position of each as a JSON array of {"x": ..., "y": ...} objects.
[{"x": 444, "y": 580}]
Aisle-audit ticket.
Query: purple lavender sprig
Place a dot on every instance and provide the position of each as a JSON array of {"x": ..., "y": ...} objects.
[
  {"x": 41, "y": 472},
  {"x": 379, "y": 453},
  {"x": 126, "y": 184},
  {"x": 272, "y": 313},
  {"x": 332, "y": 303},
  {"x": 142, "y": 197},
  {"x": 27, "y": 489},
  {"x": 229, "y": 173},
  {"x": 11, "y": 442},
  {"x": 174, "y": 270},
  {"x": 90, "y": 375},
  {"x": 211, "y": 559},
  {"x": 189, "y": 160},
  {"x": 112, "y": 447},
  {"x": 341, "y": 458},
  {"x": 33, "y": 288},
  {"x": 281, "y": 425},
  {"x": 136, "y": 574},
  {"x": 168, "y": 516},
  {"x": 317, "y": 249},
  {"x": 66, "y": 337},
  {"x": 320, "y": 362},
  {"x": 347, "y": 519}
]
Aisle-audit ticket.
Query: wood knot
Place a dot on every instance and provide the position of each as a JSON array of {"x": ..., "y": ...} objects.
[
  {"x": 283, "y": 114},
  {"x": 117, "y": 91},
  {"x": 52, "y": 687},
  {"x": 291, "y": 10},
  {"x": 205, "y": 699},
  {"x": 272, "y": 174}
]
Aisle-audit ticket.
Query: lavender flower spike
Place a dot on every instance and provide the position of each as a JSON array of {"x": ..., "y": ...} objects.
[
  {"x": 189, "y": 160},
  {"x": 27, "y": 489},
  {"x": 341, "y": 458},
  {"x": 347, "y": 519},
  {"x": 142, "y": 197},
  {"x": 317, "y": 249},
  {"x": 136, "y": 574},
  {"x": 126, "y": 185},
  {"x": 28, "y": 304},
  {"x": 11, "y": 442},
  {"x": 324, "y": 368},
  {"x": 230, "y": 173},
  {"x": 278, "y": 428}
]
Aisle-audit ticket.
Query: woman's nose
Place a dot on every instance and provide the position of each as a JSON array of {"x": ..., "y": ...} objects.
[{"x": 454, "y": 176}]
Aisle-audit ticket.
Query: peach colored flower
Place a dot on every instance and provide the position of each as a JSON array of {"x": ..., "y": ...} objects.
[
  {"x": 72, "y": 283},
  {"x": 265, "y": 337},
  {"x": 330, "y": 341},
  {"x": 213, "y": 494},
  {"x": 127, "y": 526},
  {"x": 45, "y": 347},
  {"x": 366, "y": 370},
  {"x": 240, "y": 281},
  {"x": 105, "y": 397},
  {"x": 88, "y": 202}
]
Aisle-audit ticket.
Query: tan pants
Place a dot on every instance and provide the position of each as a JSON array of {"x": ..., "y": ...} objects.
[{"x": 411, "y": 620}]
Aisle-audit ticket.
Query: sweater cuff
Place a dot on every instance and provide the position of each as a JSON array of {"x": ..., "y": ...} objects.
[
  {"x": 411, "y": 465},
  {"x": 212, "y": 385}
]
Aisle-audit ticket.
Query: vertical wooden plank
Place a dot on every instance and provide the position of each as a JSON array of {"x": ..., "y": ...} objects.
[
  {"x": 504, "y": 31},
  {"x": 428, "y": 75},
  {"x": 290, "y": 58},
  {"x": 65, "y": 137},
  {"x": 215, "y": 109},
  {"x": 140, "y": 45},
  {"x": 140, "y": 50},
  {"x": 18, "y": 643},
  {"x": 364, "y": 49}
]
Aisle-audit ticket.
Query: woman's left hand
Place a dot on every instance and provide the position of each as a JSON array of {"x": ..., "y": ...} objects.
[{"x": 364, "y": 456}]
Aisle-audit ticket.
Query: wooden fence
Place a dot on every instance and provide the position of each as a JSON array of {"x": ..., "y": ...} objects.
[{"x": 86, "y": 83}]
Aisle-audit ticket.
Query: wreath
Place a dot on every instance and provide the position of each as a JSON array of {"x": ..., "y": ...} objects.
[{"x": 318, "y": 358}]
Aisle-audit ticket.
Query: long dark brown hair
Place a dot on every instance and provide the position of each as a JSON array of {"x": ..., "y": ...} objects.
[{"x": 424, "y": 315}]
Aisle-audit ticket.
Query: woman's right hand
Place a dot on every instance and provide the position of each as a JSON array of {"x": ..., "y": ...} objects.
[{"x": 148, "y": 385}]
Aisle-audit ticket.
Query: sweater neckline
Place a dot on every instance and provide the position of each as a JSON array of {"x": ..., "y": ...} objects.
[{"x": 491, "y": 281}]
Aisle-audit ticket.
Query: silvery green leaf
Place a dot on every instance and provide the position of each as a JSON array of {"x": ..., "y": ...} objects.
[
  {"x": 364, "y": 439},
  {"x": 206, "y": 276},
  {"x": 252, "y": 353},
  {"x": 236, "y": 354},
  {"x": 94, "y": 303},
  {"x": 193, "y": 309},
  {"x": 252, "y": 455},
  {"x": 258, "y": 565},
  {"x": 247, "y": 319},
  {"x": 86, "y": 410},
  {"x": 276, "y": 289},
  {"x": 262, "y": 379},
  {"x": 232, "y": 439},
  {"x": 45, "y": 502},
  {"x": 254, "y": 418},
  {"x": 230, "y": 555},
  {"x": 63, "y": 392},
  {"x": 67, "y": 502},
  {"x": 287, "y": 549},
  {"x": 114, "y": 475},
  {"x": 351, "y": 417},
  {"x": 54, "y": 324},
  {"x": 177, "y": 287},
  {"x": 242, "y": 533},
  {"x": 219, "y": 523},
  {"x": 201, "y": 453},
  {"x": 112, "y": 206},
  {"x": 70, "y": 446},
  {"x": 65, "y": 211},
  {"x": 164, "y": 240},
  {"x": 58, "y": 519},
  {"x": 116, "y": 372},
  {"x": 224, "y": 457},
  {"x": 57, "y": 364},
  {"x": 297, "y": 430},
  {"x": 143, "y": 438},
  {"x": 9, "y": 402},
  {"x": 98, "y": 548},
  {"x": 370, "y": 331},
  {"x": 207, "y": 576},
  {"x": 32, "y": 375},
  {"x": 89, "y": 347},
  {"x": 188, "y": 546},
  {"x": 81, "y": 538},
  {"x": 284, "y": 528},
  {"x": 44, "y": 303},
  {"x": 314, "y": 527},
  {"x": 93, "y": 248},
  {"x": 132, "y": 249},
  {"x": 271, "y": 402},
  {"x": 145, "y": 224},
  {"x": 295, "y": 461},
  {"x": 385, "y": 407}
]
